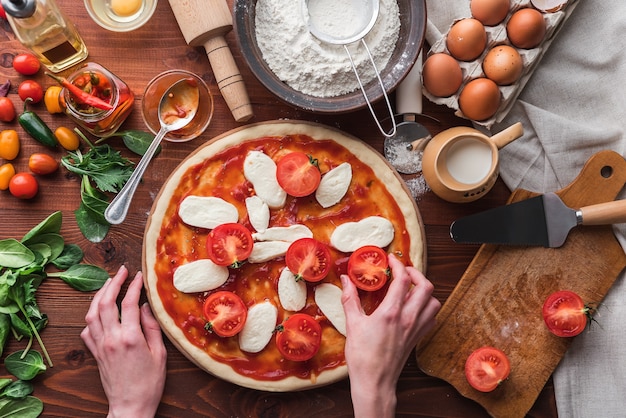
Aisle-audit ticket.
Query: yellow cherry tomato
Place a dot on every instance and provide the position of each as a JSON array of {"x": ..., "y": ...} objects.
[
  {"x": 51, "y": 99},
  {"x": 9, "y": 144},
  {"x": 6, "y": 172},
  {"x": 67, "y": 138}
]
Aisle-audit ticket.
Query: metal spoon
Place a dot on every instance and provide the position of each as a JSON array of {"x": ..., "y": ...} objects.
[{"x": 177, "y": 107}]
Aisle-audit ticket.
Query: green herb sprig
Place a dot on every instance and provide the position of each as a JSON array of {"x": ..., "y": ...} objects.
[{"x": 109, "y": 171}]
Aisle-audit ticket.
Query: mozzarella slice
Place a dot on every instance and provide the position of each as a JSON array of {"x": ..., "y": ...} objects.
[
  {"x": 374, "y": 230},
  {"x": 334, "y": 185},
  {"x": 207, "y": 211},
  {"x": 258, "y": 213},
  {"x": 284, "y": 233},
  {"x": 199, "y": 276},
  {"x": 328, "y": 299},
  {"x": 259, "y": 327},
  {"x": 268, "y": 250},
  {"x": 291, "y": 292},
  {"x": 260, "y": 170}
]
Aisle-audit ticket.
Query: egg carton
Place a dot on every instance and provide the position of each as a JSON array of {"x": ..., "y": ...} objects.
[{"x": 497, "y": 35}]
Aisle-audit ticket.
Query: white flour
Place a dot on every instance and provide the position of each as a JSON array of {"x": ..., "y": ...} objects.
[{"x": 314, "y": 67}]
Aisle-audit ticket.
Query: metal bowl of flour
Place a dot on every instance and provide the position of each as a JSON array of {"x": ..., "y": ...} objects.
[{"x": 412, "y": 15}]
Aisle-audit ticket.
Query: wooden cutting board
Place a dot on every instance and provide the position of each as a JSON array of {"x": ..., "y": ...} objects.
[{"x": 499, "y": 298}]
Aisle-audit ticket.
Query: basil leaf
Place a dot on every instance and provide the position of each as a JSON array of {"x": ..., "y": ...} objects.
[
  {"x": 92, "y": 230},
  {"x": 29, "y": 407},
  {"x": 50, "y": 225},
  {"x": 14, "y": 254},
  {"x": 5, "y": 330},
  {"x": 83, "y": 277},
  {"x": 54, "y": 240},
  {"x": 137, "y": 141},
  {"x": 72, "y": 254},
  {"x": 25, "y": 368}
]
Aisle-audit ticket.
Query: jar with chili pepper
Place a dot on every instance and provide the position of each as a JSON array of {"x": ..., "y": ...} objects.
[{"x": 96, "y": 99}]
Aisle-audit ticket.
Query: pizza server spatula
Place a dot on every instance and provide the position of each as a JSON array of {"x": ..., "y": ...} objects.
[
  {"x": 540, "y": 221},
  {"x": 402, "y": 149}
]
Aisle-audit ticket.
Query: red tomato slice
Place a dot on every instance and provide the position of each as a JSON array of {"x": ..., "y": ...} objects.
[
  {"x": 368, "y": 267},
  {"x": 229, "y": 244},
  {"x": 225, "y": 313},
  {"x": 299, "y": 337},
  {"x": 298, "y": 174},
  {"x": 486, "y": 368},
  {"x": 308, "y": 259},
  {"x": 565, "y": 313}
]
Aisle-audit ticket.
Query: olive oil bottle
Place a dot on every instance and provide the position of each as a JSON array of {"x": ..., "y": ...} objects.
[{"x": 41, "y": 27}]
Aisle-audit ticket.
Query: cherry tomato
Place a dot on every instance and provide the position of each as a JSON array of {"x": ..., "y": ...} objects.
[
  {"x": 299, "y": 337},
  {"x": 26, "y": 64},
  {"x": 67, "y": 138},
  {"x": 298, "y": 174},
  {"x": 7, "y": 171},
  {"x": 23, "y": 186},
  {"x": 40, "y": 163},
  {"x": 51, "y": 99},
  {"x": 565, "y": 313},
  {"x": 308, "y": 259},
  {"x": 229, "y": 244},
  {"x": 225, "y": 313},
  {"x": 3, "y": 14},
  {"x": 7, "y": 110},
  {"x": 486, "y": 368},
  {"x": 368, "y": 267},
  {"x": 9, "y": 144},
  {"x": 32, "y": 89}
]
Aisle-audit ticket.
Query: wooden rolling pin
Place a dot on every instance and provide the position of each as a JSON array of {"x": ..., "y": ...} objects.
[{"x": 204, "y": 23}]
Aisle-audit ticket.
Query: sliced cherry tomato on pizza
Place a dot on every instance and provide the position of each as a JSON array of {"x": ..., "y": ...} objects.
[
  {"x": 225, "y": 313},
  {"x": 486, "y": 368},
  {"x": 299, "y": 337},
  {"x": 565, "y": 313},
  {"x": 229, "y": 244},
  {"x": 298, "y": 174},
  {"x": 308, "y": 259},
  {"x": 368, "y": 267}
]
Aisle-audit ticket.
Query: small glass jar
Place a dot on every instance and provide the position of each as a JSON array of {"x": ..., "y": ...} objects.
[{"x": 108, "y": 87}]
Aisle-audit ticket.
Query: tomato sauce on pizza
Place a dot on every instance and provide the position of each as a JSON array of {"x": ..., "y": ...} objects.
[{"x": 222, "y": 175}]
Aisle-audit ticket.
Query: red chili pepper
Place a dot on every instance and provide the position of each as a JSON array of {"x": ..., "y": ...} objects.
[{"x": 82, "y": 96}]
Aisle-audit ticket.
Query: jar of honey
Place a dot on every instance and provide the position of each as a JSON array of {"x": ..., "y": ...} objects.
[{"x": 105, "y": 114}]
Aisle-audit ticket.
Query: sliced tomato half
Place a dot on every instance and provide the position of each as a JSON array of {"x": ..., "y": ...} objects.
[
  {"x": 308, "y": 259},
  {"x": 565, "y": 313},
  {"x": 229, "y": 244},
  {"x": 368, "y": 267},
  {"x": 486, "y": 368},
  {"x": 299, "y": 337},
  {"x": 225, "y": 313},
  {"x": 298, "y": 174}
]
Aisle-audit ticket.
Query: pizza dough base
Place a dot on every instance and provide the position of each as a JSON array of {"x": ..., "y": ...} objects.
[{"x": 361, "y": 150}]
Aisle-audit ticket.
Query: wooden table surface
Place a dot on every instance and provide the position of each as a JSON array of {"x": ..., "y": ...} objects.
[{"x": 72, "y": 387}]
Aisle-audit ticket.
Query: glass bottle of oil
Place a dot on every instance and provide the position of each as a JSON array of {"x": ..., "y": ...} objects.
[{"x": 41, "y": 27}]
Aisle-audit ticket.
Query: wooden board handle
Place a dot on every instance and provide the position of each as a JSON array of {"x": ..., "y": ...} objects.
[
  {"x": 604, "y": 213},
  {"x": 228, "y": 78}
]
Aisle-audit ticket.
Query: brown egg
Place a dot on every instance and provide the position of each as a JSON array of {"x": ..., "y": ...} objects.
[
  {"x": 503, "y": 64},
  {"x": 442, "y": 75},
  {"x": 490, "y": 12},
  {"x": 526, "y": 28},
  {"x": 480, "y": 98},
  {"x": 466, "y": 39}
]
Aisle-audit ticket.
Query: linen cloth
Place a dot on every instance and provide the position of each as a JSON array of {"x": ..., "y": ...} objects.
[{"x": 573, "y": 106}]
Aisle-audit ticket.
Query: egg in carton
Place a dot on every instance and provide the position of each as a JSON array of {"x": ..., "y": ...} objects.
[{"x": 444, "y": 83}]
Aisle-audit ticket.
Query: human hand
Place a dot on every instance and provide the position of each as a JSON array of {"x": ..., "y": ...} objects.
[
  {"x": 128, "y": 348},
  {"x": 378, "y": 345}
]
